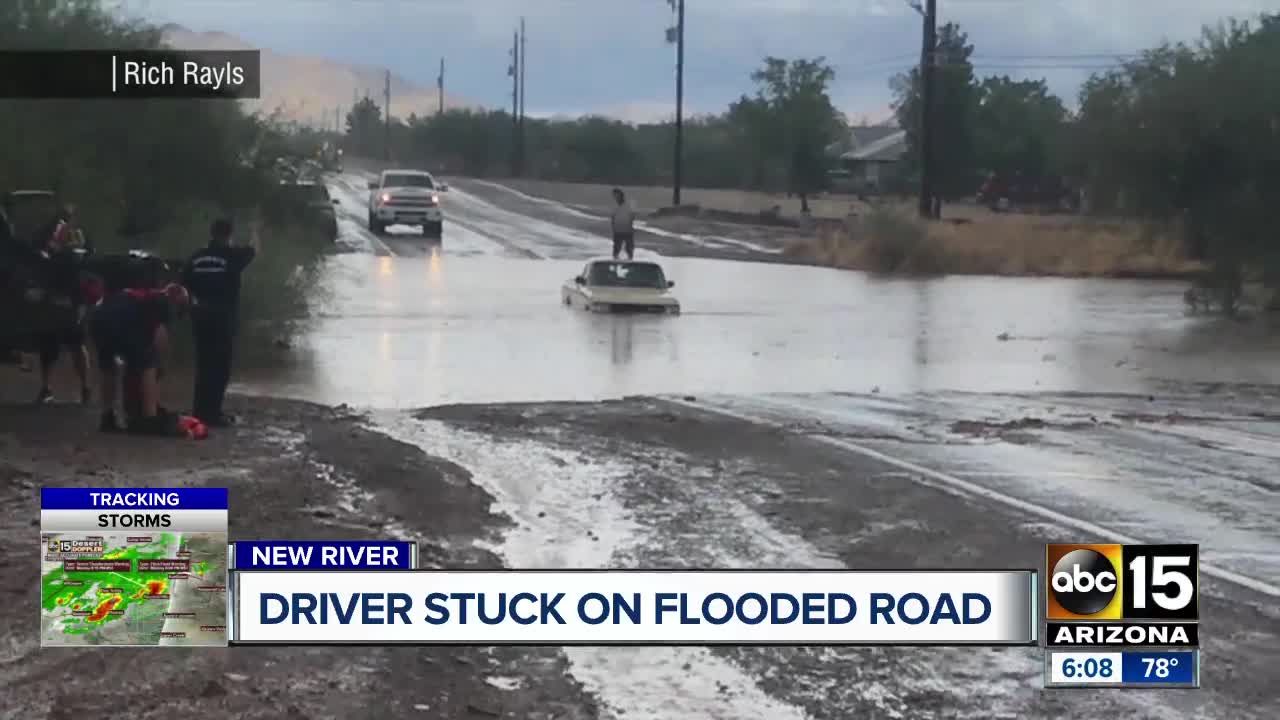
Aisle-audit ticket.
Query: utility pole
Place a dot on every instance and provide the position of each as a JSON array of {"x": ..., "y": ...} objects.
[
  {"x": 514, "y": 71},
  {"x": 440, "y": 87},
  {"x": 676, "y": 35},
  {"x": 928, "y": 71},
  {"x": 386, "y": 118},
  {"x": 521, "y": 140}
]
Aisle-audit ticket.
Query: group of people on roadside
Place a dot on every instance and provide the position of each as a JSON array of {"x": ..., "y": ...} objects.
[{"x": 130, "y": 329}]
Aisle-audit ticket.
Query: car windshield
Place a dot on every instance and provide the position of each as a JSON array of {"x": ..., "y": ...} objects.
[
  {"x": 408, "y": 180},
  {"x": 636, "y": 275}
]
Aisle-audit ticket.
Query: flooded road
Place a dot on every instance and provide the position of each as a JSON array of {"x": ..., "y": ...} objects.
[{"x": 805, "y": 417}]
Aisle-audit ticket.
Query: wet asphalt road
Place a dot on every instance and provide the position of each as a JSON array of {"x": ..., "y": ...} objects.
[{"x": 813, "y": 418}]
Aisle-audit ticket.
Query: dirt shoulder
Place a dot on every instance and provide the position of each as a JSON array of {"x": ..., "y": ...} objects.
[
  {"x": 693, "y": 475},
  {"x": 298, "y": 470},
  {"x": 295, "y": 470}
]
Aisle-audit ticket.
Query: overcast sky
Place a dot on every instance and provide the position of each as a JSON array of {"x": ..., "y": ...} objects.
[{"x": 610, "y": 56}]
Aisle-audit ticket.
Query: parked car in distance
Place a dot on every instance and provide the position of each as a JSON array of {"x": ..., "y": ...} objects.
[
  {"x": 406, "y": 197},
  {"x": 621, "y": 286},
  {"x": 311, "y": 204},
  {"x": 30, "y": 212}
]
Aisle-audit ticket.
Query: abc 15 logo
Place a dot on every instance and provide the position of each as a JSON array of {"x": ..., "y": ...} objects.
[{"x": 1122, "y": 582}]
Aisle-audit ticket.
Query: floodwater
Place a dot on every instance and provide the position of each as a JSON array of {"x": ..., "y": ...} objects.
[
  {"x": 882, "y": 369},
  {"x": 406, "y": 324},
  {"x": 479, "y": 319}
]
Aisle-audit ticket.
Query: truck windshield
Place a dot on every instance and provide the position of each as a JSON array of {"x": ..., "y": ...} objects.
[
  {"x": 407, "y": 180},
  {"x": 636, "y": 275}
]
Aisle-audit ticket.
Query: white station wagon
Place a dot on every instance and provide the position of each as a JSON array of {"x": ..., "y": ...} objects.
[{"x": 608, "y": 285}]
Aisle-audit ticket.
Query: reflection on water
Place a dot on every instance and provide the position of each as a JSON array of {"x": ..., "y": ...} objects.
[
  {"x": 494, "y": 329},
  {"x": 433, "y": 268},
  {"x": 624, "y": 332}
]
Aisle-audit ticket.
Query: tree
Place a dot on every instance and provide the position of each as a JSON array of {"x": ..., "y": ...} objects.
[
  {"x": 128, "y": 165},
  {"x": 956, "y": 96},
  {"x": 1018, "y": 127},
  {"x": 752, "y": 128},
  {"x": 365, "y": 128},
  {"x": 1192, "y": 132},
  {"x": 800, "y": 112}
]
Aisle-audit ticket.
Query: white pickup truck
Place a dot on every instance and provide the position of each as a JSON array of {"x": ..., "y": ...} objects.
[{"x": 406, "y": 197}]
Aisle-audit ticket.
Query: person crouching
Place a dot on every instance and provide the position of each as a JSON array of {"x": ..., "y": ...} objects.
[{"x": 133, "y": 326}]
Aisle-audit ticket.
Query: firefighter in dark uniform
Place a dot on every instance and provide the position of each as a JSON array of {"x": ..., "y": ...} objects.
[{"x": 212, "y": 275}]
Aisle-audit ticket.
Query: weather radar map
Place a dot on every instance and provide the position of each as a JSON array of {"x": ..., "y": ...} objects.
[{"x": 140, "y": 588}]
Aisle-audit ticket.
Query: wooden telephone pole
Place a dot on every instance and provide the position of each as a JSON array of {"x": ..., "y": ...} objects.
[
  {"x": 928, "y": 71},
  {"x": 514, "y": 71},
  {"x": 440, "y": 88},
  {"x": 386, "y": 118},
  {"x": 520, "y": 137},
  {"x": 679, "y": 149}
]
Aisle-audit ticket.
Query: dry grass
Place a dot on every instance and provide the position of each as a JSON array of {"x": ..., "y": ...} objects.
[{"x": 892, "y": 240}]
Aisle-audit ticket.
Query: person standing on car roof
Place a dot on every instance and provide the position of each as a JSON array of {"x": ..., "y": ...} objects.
[
  {"x": 623, "y": 221},
  {"x": 213, "y": 276}
]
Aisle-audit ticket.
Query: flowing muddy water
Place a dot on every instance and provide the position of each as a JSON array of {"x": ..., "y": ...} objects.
[{"x": 1094, "y": 402}]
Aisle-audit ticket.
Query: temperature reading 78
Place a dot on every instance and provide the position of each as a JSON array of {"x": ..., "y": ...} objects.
[{"x": 1158, "y": 667}]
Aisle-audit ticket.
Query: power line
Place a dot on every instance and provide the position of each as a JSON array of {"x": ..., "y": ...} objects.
[{"x": 1070, "y": 56}]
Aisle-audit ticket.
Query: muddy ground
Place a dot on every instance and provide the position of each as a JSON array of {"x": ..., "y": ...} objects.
[
  {"x": 295, "y": 470},
  {"x": 298, "y": 470}
]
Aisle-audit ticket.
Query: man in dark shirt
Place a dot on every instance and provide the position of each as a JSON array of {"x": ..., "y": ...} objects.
[
  {"x": 132, "y": 325},
  {"x": 212, "y": 274},
  {"x": 63, "y": 281}
]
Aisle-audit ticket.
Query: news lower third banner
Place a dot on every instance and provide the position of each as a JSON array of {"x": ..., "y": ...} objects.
[
  {"x": 88, "y": 74},
  {"x": 609, "y": 607}
]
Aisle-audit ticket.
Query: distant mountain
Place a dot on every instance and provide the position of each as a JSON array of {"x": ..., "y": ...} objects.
[{"x": 307, "y": 89}]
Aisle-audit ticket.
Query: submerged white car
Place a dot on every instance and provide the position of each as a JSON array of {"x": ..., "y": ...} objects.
[{"x": 608, "y": 285}]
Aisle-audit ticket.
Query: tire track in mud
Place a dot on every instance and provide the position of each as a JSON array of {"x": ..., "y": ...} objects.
[
  {"x": 644, "y": 483},
  {"x": 940, "y": 478}
]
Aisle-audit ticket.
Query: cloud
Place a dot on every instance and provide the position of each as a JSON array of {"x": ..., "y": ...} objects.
[{"x": 611, "y": 54}]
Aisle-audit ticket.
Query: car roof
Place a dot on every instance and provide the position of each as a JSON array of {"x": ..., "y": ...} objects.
[
  {"x": 614, "y": 261},
  {"x": 45, "y": 193},
  {"x": 406, "y": 172}
]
